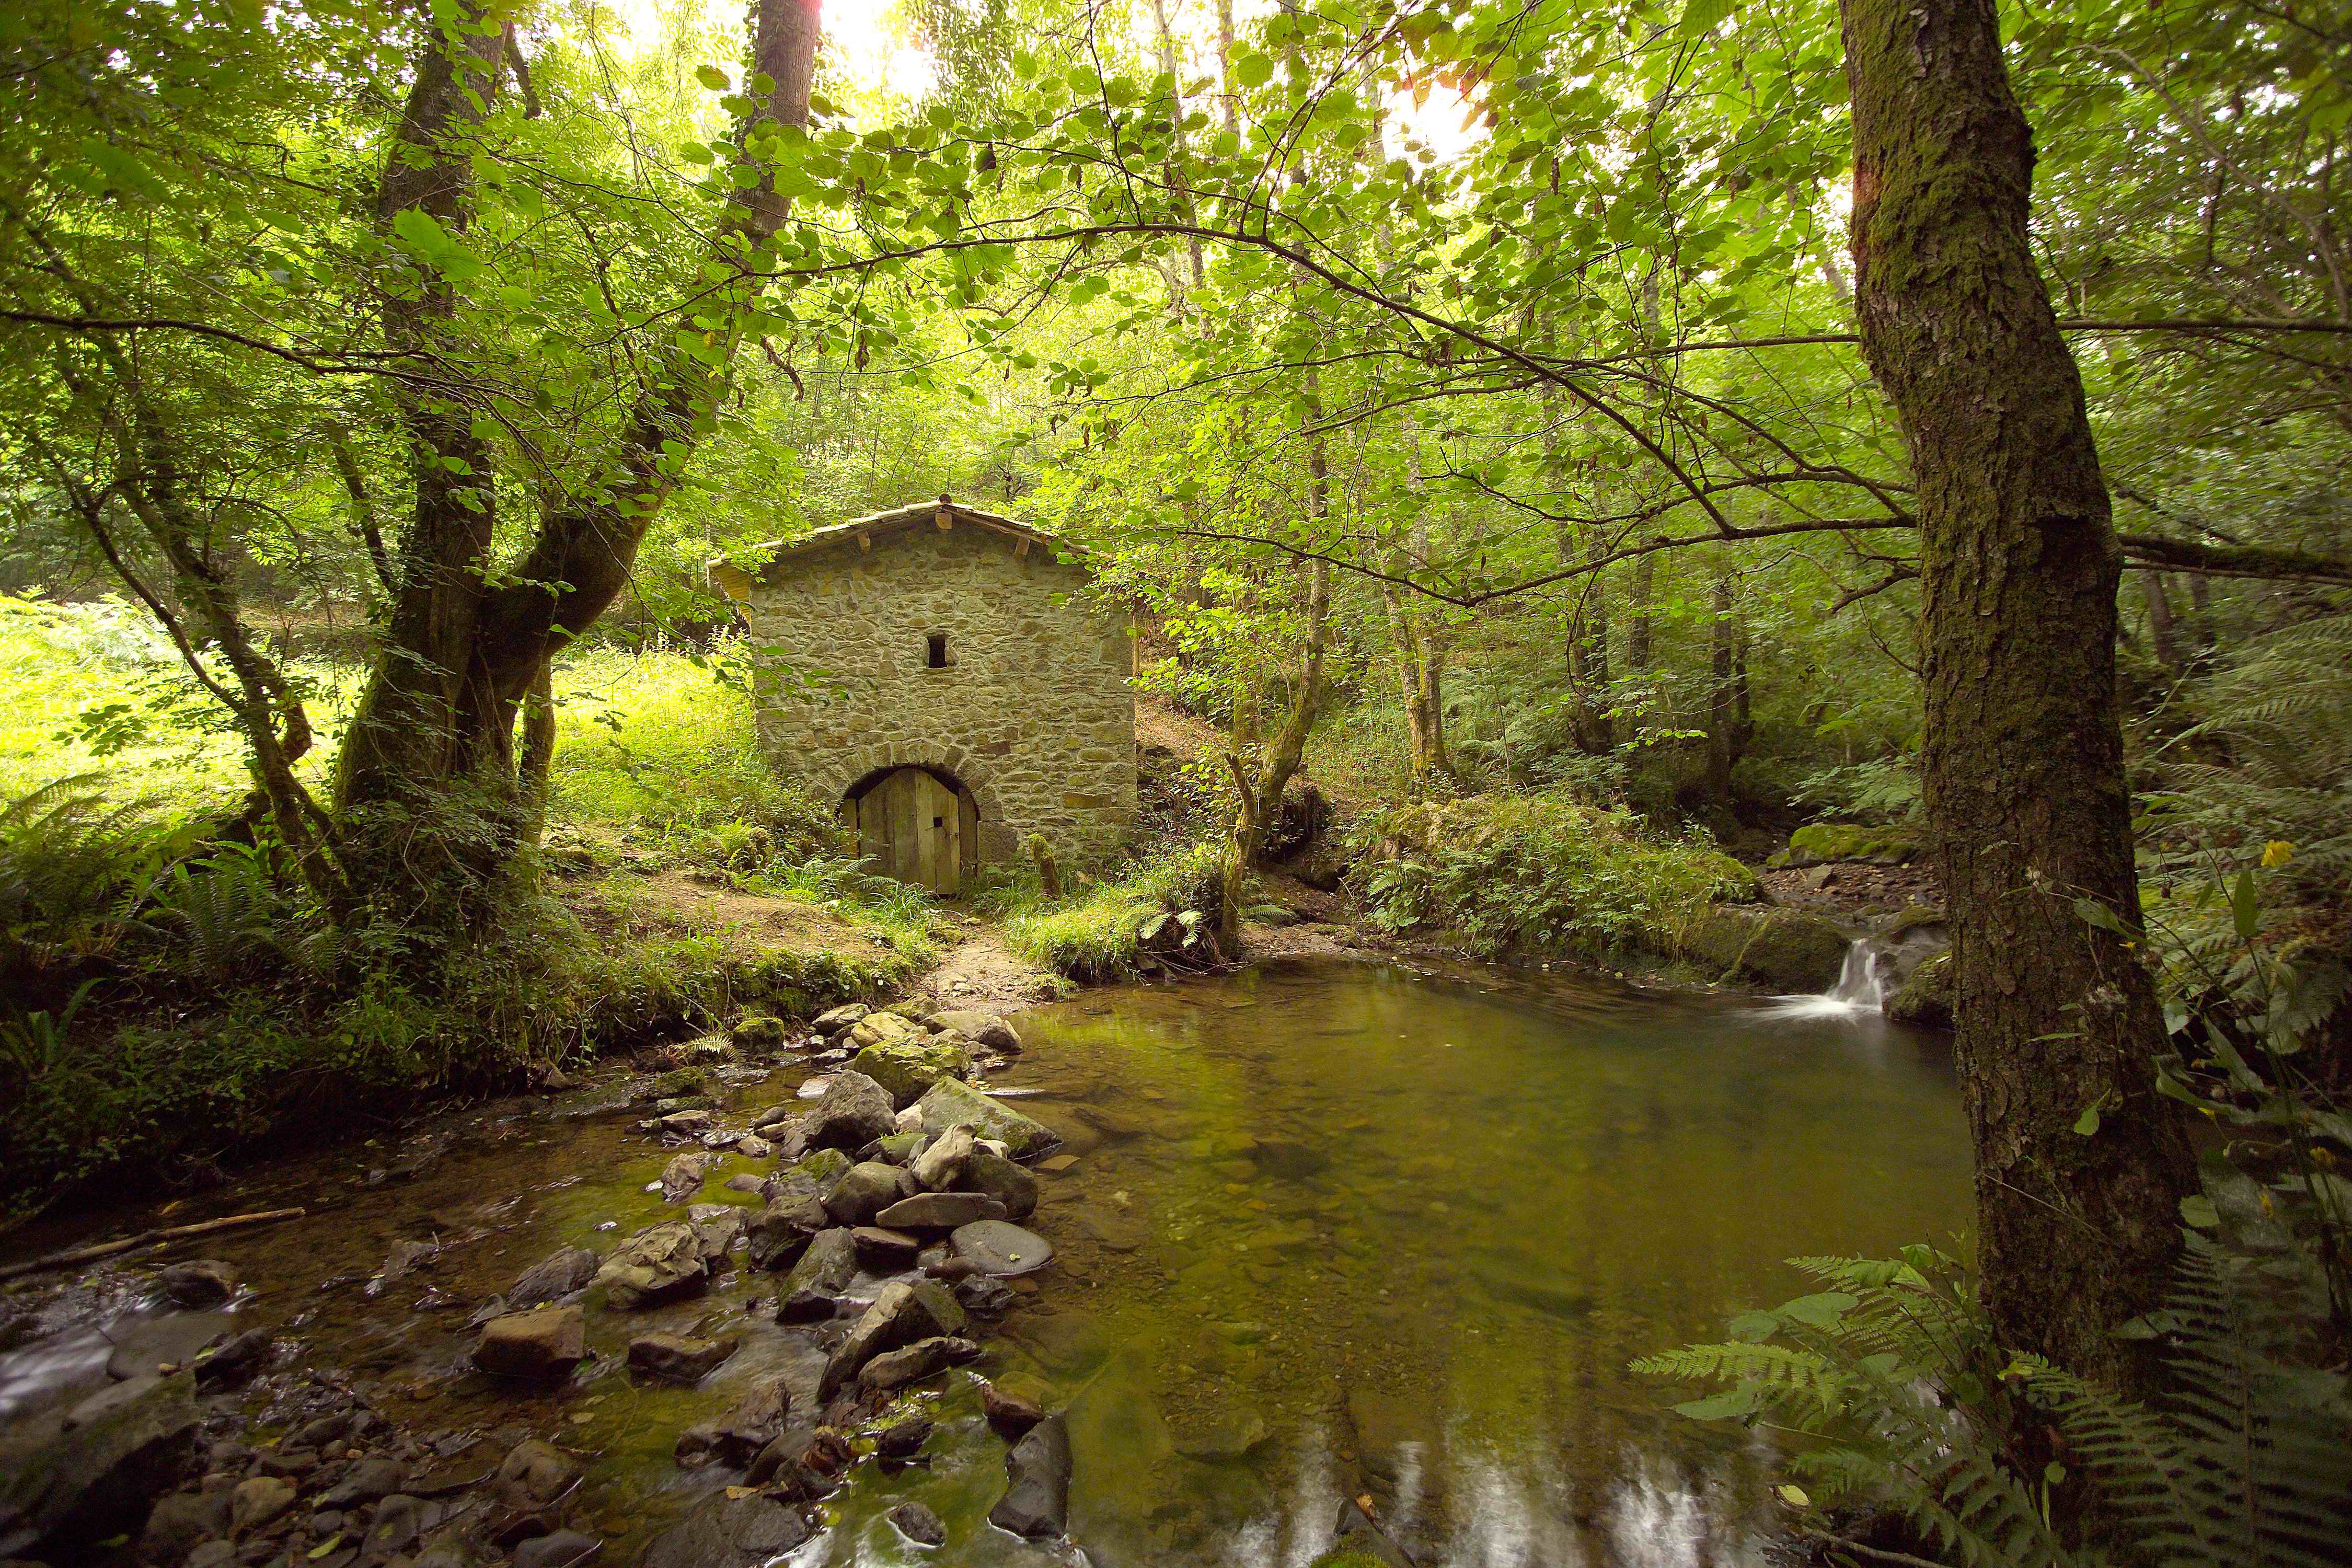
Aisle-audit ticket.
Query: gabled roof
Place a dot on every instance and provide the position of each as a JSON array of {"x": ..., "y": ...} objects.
[{"x": 944, "y": 513}]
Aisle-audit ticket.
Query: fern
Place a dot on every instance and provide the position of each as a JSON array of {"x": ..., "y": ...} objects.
[{"x": 1894, "y": 1372}]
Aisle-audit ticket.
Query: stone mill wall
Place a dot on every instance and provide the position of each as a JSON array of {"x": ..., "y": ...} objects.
[{"x": 1032, "y": 712}]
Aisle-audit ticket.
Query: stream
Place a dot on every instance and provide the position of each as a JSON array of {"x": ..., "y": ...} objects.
[{"x": 1322, "y": 1230}]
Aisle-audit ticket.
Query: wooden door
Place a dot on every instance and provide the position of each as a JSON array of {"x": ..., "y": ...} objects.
[{"x": 911, "y": 826}]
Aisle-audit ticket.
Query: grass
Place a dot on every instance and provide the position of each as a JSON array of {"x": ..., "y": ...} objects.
[
  {"x": 163, "y": 1003},
  {"x": 1097, "y": 932}
]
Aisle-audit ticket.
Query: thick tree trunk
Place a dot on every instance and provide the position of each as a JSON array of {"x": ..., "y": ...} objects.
[
  {"x": 2022, "y": 759},
  {"x": 437, "y": 720}
]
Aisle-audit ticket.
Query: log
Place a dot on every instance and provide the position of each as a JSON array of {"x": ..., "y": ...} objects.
[{"x": 67, "y": 1260}]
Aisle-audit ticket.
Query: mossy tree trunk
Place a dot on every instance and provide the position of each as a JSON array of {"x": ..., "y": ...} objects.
[
  {"x": 2022, "y": 760},
  {"x": 429, "y": 779}
]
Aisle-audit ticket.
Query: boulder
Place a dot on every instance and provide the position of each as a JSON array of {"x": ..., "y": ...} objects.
[
  {"x": 940, "y": 1211},
  {"x": 563, "y": 1548},
  {"x": 758, "y": 1032},
  {"x": 853, "y": 1111},
  {"x": 717, "y": 1227},
  {"x": 903, "y": 1439},
  {"x": 183, "y": 1522},
  {"x": 1010, "y": 1414},
  {"x": 780, "y": 1233},
  {"x": 886, "y": 1251},
  {"x": 982, "y": 1027},
  {"x": 936, "y": 1168},
  {"x": 802, "y": 1463},
  {"x": 898, "y": 1149},
  {"x": 752, "y": 1146},
  {"x": 100, "y": 1468},
  {"x": 560, "y": 1273},
  {"x": 750, "y": 1424},
  {"x": 810, "y": 1173},
  {"x": 679, "y": 1358},
  {"x": 881, "y": 1028},
  {"x": 659, "y": 1263},
  {"x": 1010, "y": 1185},
  {"x": 233, "y": 1365},
  {"x": 368, "y": 1481},
  {"x": 1037, "y": 1501},
  {"x": 900, "y": 1314},
  {"x": 682, "y": 1177},
  {"x": 837, "y": 1020},
  {"x": 547, "y": 1342},
  {"x": 947, "y": 1104},
  {"x": 993, "y": 1247},
  {"x": 257, "y": 1501},
  {"x": 826, "y": 1268},
  {"x": 864, "y": 1190},
  {"x": 894, "y": 1370},
  {"x": 909, "y": 1063},
  {"x": 1926, "y": 998},
  {"x": 398, "y": 1520},
  {"x": 918, "y": 1524},
  {"x": 1818, "y": 843},
  {"x": 727, "y": 1532},
  {"x": 1785, "y": 949},
  {"x": 534, "y": 1474},
  {"x": 200, "y": 1282}
]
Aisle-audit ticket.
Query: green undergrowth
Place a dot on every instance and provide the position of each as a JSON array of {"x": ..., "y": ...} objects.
[
  {"x": 157, "y": 1062},
  {"x": 1539, "y": 873},
  {"x": 1102, "y": 930}
]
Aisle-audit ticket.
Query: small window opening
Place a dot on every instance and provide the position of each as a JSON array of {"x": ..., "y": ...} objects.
[{"x": 935, "y": 650}]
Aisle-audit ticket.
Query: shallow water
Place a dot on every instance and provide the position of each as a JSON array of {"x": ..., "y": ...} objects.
[{"x": 1328, "y": 1231}]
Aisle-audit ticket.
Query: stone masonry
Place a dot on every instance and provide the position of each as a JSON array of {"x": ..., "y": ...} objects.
[{"x": 1031, "y": 712}]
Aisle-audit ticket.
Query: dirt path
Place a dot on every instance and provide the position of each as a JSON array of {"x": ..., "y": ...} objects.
[{"x": 982, "y": 971}]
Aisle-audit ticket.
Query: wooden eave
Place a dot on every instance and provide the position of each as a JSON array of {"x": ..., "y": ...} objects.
[{"x": 864, "y": 531}]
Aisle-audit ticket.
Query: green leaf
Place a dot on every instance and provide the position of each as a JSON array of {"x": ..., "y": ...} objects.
[
  {"x": 1819, "y": 1311},
  {"x": 1253, "y": 70},
  {"x": 711, "y": 77},
  {"x": 2197, "y": 1210},
  {"x": 2087, "y": 1124},
  {"x": 1732, "y": 1405},
  {"x": 2244, "y": 906}
]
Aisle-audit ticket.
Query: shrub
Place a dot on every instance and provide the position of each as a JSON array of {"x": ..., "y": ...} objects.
[
  {"x": 1105, "y": 931},
  {"x": 1539, "y": 873}
]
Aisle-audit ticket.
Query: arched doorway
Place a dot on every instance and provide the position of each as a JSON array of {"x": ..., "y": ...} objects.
[{"x": 919, "y": 825}]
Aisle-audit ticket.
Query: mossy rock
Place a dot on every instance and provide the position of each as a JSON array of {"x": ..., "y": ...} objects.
[
  {"x": 678, "y": 1083},
  {"x": 1348, "y": 1557},
  {"x": 952, "y": 1104},
  {"x": 1788, "y": 950},
  {"x": 1820, "y": 843},
  {"x": 908, "y": 1065},
  {"x": 1926, "y": 997},
  {"x": 758, "y": 1032},
  {"x": 1916, "y": 917}
]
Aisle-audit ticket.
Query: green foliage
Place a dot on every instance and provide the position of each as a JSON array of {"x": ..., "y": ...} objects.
[
  {"x": 1166, "y": 907},
  {"x": 1893, "y": 1372},
  {"x": 1541, "y": 873}
]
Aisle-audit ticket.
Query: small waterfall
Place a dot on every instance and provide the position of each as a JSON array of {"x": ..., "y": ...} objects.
[
  {"x": 1860, "y": 986},
  {"x": 1859, "y": 981}
]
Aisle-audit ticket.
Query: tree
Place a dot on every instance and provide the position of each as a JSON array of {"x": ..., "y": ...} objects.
[
  {"x": 2080, "y": 1166},
  {"x": 433, "y": 738}
]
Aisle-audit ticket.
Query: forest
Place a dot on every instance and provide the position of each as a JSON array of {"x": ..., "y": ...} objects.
[{"x": 1737, "y": 628}]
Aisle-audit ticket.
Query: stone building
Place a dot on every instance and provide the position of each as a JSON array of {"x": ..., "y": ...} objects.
[{"x": 945, "y": 677}]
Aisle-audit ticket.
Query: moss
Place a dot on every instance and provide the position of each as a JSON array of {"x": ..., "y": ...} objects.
[
  {"x": 1347, "y": 1557},
  {"x": 1785, "y": 949},
  {"x": 1926, "y": 998},
  {"x": 1820, "y": 843}
]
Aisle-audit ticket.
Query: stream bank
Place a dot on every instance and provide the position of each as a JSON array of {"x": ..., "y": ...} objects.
[{"x": 1310, "y": 1225}]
